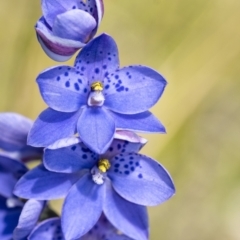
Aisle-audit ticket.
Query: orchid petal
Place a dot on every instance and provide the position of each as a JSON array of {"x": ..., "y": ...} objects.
[
  {"x": 47, "y": 230},
  {"x": 129, "y": 218},
  {"x": 98, "y": 58},
  {"x": 10, "y": 171},
  {"x": 93, "y": 7},
  {"x": 62, "y": 89},
  {"x": 134, "y": 89},
  {"x": 120, "y": 146},
  {"x": 141, "y": 122},
  {"x": 82, "y": 207},
  {"x": 129, "y": 136},
  {"x": 51, "y": 8},
  {"x": 75, "y": 24},
  {"x": 28, "y": 218},
  {"x": 14, "y": 129},
  {"x": 51, "y": 126},
  {"x": 104, "y": 230},
  {"x": 41, "y": 184},
  {"x": 69, "y": 159},
  {"x": 59, "y": 49},
  {"x": 140, "y": 179},
  {"x": 96, "y": 128}
]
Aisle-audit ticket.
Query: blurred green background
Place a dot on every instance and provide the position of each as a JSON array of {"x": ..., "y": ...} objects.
[{"x": 196, "y": 46}]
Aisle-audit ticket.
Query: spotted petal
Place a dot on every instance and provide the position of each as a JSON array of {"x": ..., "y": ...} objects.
[
  {"x": 96, "y": 128},
  {"x": 124, "y": 146},
  {"x": 93, "y": 7},
  {"x": 82, "y": 207},
  {"x": 140, "y": 179},
  {"x": 98, "y": 58},
  {"x": 28, "y": 218},
  {"x": 41, "y": 184},
  {"x": 51, "y": 126},
  {"x": 48, "y": 230},
  {"x": 69, "y": 159},
  {"x": 141, "y": 122},
  {"x": 63, "y": 89},
  {"x": 129, "y": 218},
  {"x": 134, "y": 89}
]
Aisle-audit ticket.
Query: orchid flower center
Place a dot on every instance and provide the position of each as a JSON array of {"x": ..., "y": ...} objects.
[
  {"x": 104, "y": 165},
  {"x": 96, "y": 97},
  {"x": 99, "y": 172}
]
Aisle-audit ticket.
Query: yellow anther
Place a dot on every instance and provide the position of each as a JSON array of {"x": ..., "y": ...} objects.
[
  {"x": 96, "y": 86},
  {"x": 104, "y": 165}
]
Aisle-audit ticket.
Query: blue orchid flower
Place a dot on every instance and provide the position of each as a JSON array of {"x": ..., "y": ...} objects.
[
  {"x": 66, "y": 26},
  {"x": 95, "y": 97},
  {"x": 119, "y": 183},
  {"x": 11, "y": 206},
  {"x": 51, "y": 229},
  {"x": 14, "y": 130},
  {"x": 14, "y": 152}
]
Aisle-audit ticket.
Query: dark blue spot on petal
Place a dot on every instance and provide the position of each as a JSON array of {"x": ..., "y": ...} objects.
[
  {"x": 76, "y": 86},
  {"x": 117, "y": 165},
  {"x": 66, "y": 74},
  {"x": 140, "y": 175},
  {"x": 67, "y": 84},
  {"x": 85, "y": 149},
  {"x": 120, "y": 89},
  {"x": 73, "y": 148},
  {"x": 84, "y": 156},
  {"x": 97, "y": 70},
  {"x": 126, "y": 172},
  {"x": 126, "y": 166}
]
